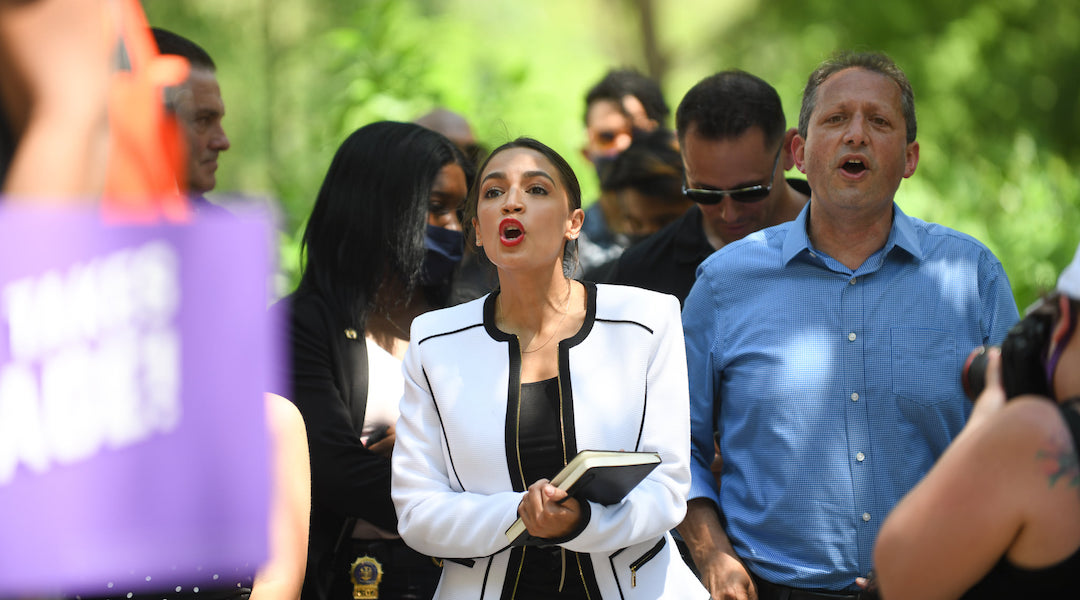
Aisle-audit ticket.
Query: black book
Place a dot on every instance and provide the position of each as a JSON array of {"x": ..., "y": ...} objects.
[{"x": 604, "y": 477}]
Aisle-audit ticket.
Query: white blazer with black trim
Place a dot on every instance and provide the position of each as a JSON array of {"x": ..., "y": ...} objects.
[{"x": 456, "y": 481}]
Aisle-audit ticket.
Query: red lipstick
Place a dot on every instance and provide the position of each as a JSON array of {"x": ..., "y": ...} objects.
[{"x": 511, "y": 232}]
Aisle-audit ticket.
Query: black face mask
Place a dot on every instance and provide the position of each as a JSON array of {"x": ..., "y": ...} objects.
[
  {"x": 603, "y": 165},
  {"x": 444, "y": 250}
]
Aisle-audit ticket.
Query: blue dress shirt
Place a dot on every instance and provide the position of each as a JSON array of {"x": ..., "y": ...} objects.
[{"x": 831, "y": 391}]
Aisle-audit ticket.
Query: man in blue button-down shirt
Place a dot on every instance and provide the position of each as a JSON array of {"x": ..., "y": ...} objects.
[{"x": 825, "y": 353}]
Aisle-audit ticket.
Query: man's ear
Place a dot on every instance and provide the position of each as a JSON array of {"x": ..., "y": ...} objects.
[
  {"x": 798, "y": 152},
  {"x": 787, "y": 158},
  {"x": 911, "y": 158}
]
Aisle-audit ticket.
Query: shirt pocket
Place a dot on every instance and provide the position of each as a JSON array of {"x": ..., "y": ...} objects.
[{"x": 925, "y": 367}]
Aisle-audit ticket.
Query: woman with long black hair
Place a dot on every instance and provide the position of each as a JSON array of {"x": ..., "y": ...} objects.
[{"x": 381, "y": 240}]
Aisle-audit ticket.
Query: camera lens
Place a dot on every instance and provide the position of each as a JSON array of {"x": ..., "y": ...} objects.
[{"x": 973, "y": 375}]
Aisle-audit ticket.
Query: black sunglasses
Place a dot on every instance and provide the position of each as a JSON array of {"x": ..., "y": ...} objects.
[{"x": 746, "y": 195}]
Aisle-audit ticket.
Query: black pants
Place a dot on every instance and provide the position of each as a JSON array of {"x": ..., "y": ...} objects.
[
  {"x": 773, "y": 591},
  {"x": 406, "y": 574}
]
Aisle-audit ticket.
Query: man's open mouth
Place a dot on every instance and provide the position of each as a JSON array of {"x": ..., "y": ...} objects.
[{"x": 853, "y": 166}]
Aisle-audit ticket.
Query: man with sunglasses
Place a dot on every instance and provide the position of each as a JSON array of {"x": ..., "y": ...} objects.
[
  {"x": 735, "y": 147},
  {"x": 824, "y": 354}
]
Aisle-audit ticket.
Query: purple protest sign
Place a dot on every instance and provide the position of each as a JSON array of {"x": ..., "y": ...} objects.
[{"x": 133, "y": 362}]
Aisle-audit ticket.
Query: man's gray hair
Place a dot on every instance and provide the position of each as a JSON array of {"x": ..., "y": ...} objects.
[{"x": 871, "y": 61}]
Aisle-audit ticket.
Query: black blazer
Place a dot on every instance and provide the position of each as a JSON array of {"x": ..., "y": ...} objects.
[{"x": 329, "y": 385}]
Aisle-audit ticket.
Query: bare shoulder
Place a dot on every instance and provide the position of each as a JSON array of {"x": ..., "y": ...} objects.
[
  {"x": 1028, "y": 418},
  {"x": 1002, "y": 487},
  {"x": 282, "y": 417},
  {"x": 1040, "y": 423},
  {"x": 1047, "y": 474},
  {"x": 1030, "y": 442}
]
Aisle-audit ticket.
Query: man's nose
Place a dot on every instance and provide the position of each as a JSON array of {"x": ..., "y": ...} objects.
[
  {"x": 855, "y": 134},
  {"x": 220, "y": 141},
  {"x": 728, "y": 209}
]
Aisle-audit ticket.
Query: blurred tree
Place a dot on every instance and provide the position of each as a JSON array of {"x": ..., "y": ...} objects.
[
  {"x": 995, "y": 94},
  {"x": 994, "y": 82}
]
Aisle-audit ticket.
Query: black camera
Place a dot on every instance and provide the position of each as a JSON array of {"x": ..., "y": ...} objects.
[{"x": 1023, "y": 359}]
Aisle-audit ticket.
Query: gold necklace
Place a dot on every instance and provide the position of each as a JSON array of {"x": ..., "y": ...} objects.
[{"x": 557, "y": 327}]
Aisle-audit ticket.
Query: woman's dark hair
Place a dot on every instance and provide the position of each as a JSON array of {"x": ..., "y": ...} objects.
[
  {"x": 369, "y": 217},
  {"x": 566, "y": 174}
]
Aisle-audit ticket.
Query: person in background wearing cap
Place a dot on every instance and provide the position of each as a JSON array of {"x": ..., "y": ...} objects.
[{"x": 999, "y": 514}]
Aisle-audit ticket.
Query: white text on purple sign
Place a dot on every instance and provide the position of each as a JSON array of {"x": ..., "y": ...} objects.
[{"x": 93, "y": 358}]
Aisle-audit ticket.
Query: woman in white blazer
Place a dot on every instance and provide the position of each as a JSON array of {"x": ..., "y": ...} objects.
[{"x": 502, "y": 391}]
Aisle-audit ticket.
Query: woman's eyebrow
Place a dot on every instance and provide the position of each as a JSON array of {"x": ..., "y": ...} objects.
[
  {"x": 493, "y": 175},
  {"x": 528, "y": 174},
  {"x": 525, "y": 175}
]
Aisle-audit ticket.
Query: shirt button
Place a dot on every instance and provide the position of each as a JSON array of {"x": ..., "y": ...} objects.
[
  {"x": 853, "y": 280},
  {"x": 851, "y": 336},
  {"x": 860, "y": 457},
  {"x": 866, "y": 516},
  {"x": 854, "y": 396}
]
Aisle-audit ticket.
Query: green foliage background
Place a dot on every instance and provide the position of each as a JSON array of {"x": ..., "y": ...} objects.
[{"x": 995, "y": 81}]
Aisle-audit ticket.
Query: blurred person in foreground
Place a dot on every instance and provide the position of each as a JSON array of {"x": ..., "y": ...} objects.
[
  {"x": 55, "y": 133},
  {"x": 823, "y": 353},
  {"x": 502, "y": 391},
  {"x": 55, "y": 68},
  {"x": 735, "y": 147},
  {"x": 199, "y": 109},
  {"x": 999, "y": 514},
  {"x": 383, "y": 232}
]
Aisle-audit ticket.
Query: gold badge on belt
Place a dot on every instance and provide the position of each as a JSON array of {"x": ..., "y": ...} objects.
[{"x": 366, "y": 573}]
